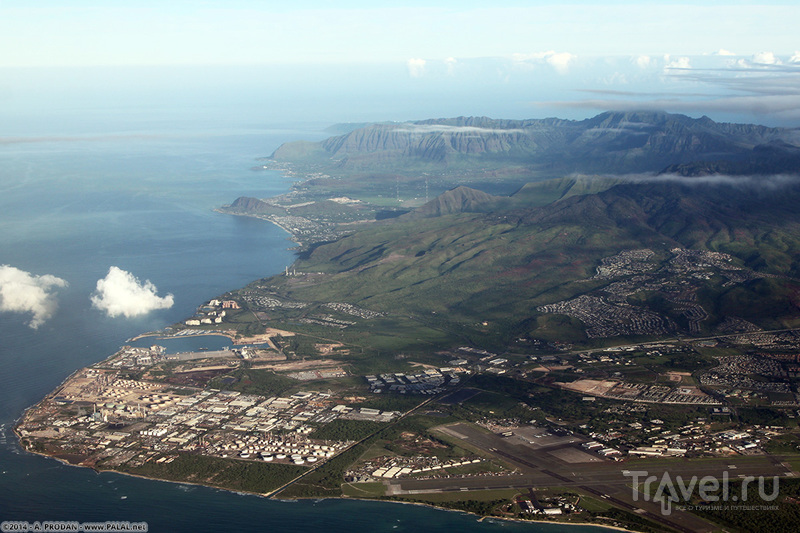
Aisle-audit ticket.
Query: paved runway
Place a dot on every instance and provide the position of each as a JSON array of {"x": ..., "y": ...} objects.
[{"x": 537, "y": 467}]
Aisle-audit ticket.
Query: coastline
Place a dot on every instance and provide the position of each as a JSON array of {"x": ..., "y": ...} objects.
[
  {"x": 249, "y": 340},
  {"x": 55, "y": 392},
  {"x": 292, "y": 237},
  {"x": 271, "y": 495},
  {"x": 484, "y": 517},
  {"x": 480, "y": 518}
]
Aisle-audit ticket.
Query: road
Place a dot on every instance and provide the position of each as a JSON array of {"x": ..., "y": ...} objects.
[
  {"x": 383, "y": 428},
  {"x": 683, "y": 339}
]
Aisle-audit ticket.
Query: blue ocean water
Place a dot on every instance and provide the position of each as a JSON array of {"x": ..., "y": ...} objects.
[{"x": 79, "y": 197}]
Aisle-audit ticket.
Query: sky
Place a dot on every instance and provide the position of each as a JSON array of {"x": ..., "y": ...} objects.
[{"x": 397, "y": 60}]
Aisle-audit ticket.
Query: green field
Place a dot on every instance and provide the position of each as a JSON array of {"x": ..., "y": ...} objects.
[{"x": 363, "y": 490}]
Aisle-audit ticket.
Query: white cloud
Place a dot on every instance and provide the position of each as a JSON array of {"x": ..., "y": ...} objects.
[
  {"x": 795, "y": 58},
  {"x": 450, "y": 63},
  {"x": 416, "y": 67},
  {"x": 445, "y": 128},
  {"x": 121, "y": 293},
  {"x": 642, "y": 61},
  {"x": 558, "y": 60},
  {"x": 723, "y": 52},
  {"x": 22, "y": 292},
  {"x": 766, "y": 58},
  {"x": 677, "y": 63},
  {"x": 762, "y": 60}
]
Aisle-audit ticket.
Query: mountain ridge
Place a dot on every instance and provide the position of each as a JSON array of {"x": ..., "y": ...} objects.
[{"x": 620, "y": 142}]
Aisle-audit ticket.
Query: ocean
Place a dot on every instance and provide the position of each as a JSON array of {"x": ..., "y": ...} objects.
[{"x": 80, "y": 194}]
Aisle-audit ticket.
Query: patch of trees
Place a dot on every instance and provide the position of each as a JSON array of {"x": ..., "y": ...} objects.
[{"x": 346, "y": 430}]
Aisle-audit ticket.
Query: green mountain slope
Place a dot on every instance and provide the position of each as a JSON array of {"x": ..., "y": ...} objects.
[
  {"x": 525, "y": 269},
  {"x": 459, "y": 200}
]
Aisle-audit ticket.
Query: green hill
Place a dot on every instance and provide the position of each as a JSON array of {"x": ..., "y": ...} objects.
[{"x": 488, "y": 277}]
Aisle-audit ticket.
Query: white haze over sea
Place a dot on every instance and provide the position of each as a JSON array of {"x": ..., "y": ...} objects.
[{"x": 44, "y": 103}]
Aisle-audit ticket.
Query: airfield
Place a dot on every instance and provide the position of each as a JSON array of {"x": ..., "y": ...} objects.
[{"x": 546, "y": 460}]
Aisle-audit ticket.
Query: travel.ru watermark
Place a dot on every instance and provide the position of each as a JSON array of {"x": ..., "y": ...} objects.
[{"x": 669, "y": 491}]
